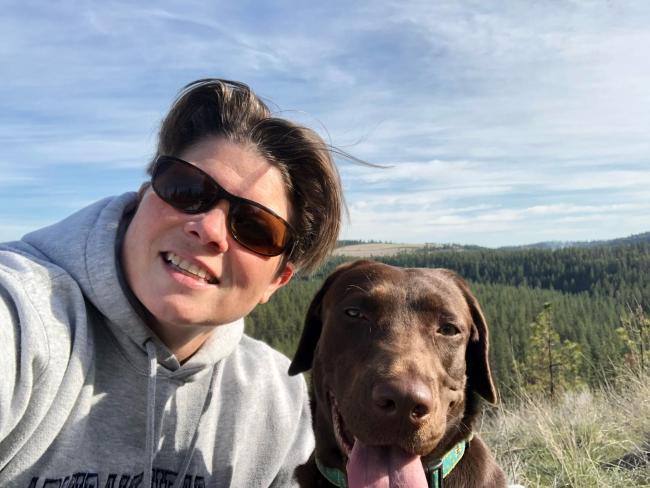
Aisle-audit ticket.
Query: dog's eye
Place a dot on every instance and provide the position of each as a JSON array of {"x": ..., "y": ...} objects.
[
  {"x": 353, "y": 312},
  {"x": 448, "y": 330}
]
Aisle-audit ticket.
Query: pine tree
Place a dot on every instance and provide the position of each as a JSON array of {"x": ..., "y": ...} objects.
[
  {"x": 550, "y": 364},
  {"x": 634, "y": 334}
]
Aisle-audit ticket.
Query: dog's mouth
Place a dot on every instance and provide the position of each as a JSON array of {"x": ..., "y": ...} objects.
[
  {"x": 376, "y": 466},
  {"x": 344, "y": 438}
]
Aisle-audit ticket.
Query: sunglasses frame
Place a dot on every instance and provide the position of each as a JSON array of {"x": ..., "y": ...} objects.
[{"x": 220, "y": 193}]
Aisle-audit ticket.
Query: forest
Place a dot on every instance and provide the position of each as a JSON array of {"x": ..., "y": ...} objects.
[{"x": 559, "y": 317}]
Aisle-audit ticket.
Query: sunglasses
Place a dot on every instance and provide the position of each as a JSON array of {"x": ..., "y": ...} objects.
[{"x": 192, "y": 191}]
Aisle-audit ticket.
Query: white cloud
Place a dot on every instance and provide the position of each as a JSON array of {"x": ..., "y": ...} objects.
[{"x": 494, "y": 226}]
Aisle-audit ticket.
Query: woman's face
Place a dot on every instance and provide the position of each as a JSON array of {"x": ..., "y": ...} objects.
[{"x": 161, "y": 240}]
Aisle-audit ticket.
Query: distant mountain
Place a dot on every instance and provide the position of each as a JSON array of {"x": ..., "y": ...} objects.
[{"x": 633, "y": 239}]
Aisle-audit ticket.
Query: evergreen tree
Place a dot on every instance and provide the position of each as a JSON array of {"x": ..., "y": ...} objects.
[
  {"x": 550, "y": 365},
  {"x": 634, "y": 334}
]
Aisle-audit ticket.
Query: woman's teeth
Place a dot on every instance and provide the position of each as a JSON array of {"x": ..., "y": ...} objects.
[{"x": 188, "y": 267}]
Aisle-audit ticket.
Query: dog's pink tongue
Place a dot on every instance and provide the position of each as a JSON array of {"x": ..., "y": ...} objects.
[{"x": 384, "y": 467}]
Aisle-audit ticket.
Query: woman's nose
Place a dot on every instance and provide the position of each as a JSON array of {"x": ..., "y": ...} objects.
[{"x": 211, "y": 227}]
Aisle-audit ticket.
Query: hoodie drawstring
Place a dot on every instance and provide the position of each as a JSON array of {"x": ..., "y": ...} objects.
[
  {"x": 151, "y": 404},
  {"x": 195, "y": 436}
]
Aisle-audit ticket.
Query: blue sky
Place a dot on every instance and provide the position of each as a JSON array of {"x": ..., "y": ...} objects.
[{"x": 501, "y": 123}]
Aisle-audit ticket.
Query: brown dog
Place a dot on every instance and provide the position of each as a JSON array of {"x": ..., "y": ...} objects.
[{"x": 398, "y": 358}]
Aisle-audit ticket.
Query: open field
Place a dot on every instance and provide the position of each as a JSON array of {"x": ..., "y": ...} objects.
[{"x": 375, "y": 249}]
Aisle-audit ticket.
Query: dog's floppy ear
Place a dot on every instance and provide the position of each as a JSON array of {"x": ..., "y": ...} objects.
[
  {"x": 304, "y": 356},
  {"x": 477, "y": 354}
]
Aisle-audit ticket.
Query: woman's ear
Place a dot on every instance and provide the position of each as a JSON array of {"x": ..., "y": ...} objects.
[{"x": 283, "y": 277}]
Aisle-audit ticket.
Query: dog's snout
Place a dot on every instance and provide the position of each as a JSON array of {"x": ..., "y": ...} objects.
[{"x": 402, "y": 400}]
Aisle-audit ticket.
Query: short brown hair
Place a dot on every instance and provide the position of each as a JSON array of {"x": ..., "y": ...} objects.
[{"x": 230, "y": 109}]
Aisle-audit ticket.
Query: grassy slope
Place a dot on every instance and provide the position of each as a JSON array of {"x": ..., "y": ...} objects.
[{"x": 584, "y": 439}]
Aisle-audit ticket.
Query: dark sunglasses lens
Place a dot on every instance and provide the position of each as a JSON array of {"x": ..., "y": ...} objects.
[
  {"x": 182, "y": 186},
  {"x": 189, "y": 190},
  {"x": 258, "y": 230}
]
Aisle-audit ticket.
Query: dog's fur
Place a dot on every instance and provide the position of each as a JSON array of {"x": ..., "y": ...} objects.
[{"x": 403, "y": 354}]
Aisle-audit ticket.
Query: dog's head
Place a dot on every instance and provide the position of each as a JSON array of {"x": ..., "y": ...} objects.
[{"x": 396, "y": 355}]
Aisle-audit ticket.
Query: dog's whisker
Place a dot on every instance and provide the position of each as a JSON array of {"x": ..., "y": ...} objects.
[{"x": 357, "y": 287}]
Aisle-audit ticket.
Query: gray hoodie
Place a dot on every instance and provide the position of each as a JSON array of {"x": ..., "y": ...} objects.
[{"x": 89, "y": 397}]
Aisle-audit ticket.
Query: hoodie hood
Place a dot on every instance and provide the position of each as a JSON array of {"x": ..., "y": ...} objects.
[{"x": 84, "y": 245}]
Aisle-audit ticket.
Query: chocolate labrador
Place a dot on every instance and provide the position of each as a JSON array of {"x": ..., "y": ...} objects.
[{"x": 399, "y": 357}]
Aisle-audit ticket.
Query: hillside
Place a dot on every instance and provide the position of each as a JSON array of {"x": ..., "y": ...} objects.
[{"x": 592, "y": 292}]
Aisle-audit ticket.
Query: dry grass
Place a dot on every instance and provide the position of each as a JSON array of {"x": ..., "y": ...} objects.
[{"x": 584, "y": 439}]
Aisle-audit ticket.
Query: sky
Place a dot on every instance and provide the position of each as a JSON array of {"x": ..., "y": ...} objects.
[{"x": 494, "y": 122}]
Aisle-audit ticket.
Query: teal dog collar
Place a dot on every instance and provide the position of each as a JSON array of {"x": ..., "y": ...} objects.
[{"x": 435, "y": 472}]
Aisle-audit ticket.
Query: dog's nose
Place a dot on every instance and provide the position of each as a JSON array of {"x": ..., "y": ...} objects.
[{"x": 402, "y": 399}]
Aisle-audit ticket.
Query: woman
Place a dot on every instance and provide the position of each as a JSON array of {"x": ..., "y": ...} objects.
[{"x": 124, "y": 358}]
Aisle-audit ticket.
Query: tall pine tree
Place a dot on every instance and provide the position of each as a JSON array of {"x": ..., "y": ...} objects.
[{"x": 550, "y": 365}]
